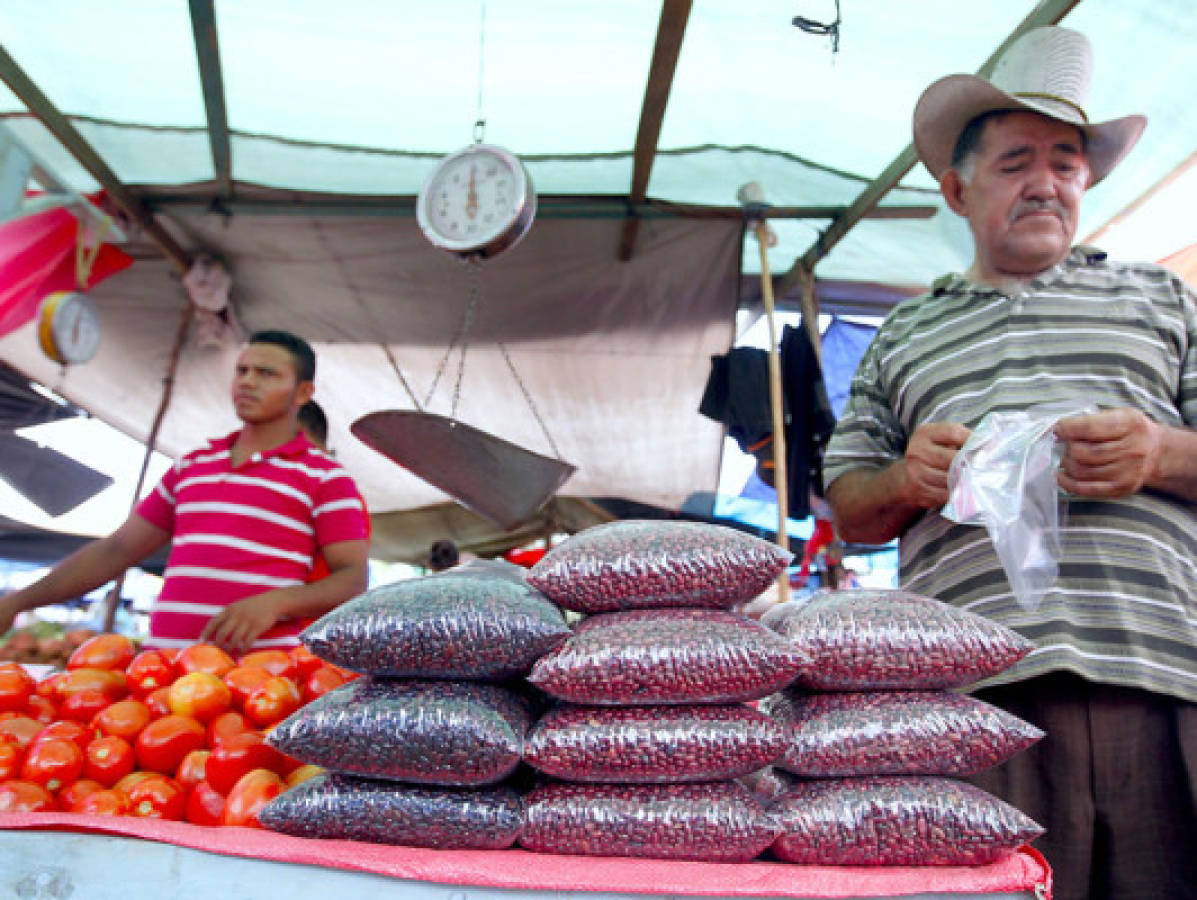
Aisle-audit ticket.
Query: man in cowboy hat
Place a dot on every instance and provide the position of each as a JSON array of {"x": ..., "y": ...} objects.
[{"x": 1113, "y": 679}]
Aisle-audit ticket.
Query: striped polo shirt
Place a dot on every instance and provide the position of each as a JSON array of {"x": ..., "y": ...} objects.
[
  {"x": 1124, "y": 607},
  {"x": 238, "y": 532}
]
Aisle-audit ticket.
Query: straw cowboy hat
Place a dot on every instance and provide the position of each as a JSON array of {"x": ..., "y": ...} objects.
[{"x": 1046, "y": 71}]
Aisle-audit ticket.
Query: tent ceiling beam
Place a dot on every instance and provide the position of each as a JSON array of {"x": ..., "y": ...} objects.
[
  {"x": 1143, "y": 198},
  {"x": 207, "y": 53},
  {"x": 1047, "y": 12},
  {"x": 66, "y": 134},
  {"x": 670, "y": 31}
]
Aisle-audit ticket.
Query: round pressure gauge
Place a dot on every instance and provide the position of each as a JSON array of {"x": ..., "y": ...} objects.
[
  {"x": 478, "y": 201},
  {"x": 69, "y": 328}
]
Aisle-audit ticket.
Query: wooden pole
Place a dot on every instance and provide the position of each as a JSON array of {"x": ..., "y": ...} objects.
[{"x": 776, "y": 395}]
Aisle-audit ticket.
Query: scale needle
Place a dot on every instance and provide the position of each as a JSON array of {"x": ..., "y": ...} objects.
[{"x": 472, "y": 196}]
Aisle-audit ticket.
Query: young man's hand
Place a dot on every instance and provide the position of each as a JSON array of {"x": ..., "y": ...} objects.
[{"x": 237, "y": 627}]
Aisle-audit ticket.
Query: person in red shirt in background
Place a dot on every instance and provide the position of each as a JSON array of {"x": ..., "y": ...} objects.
[{"x": 245, "y": 516}]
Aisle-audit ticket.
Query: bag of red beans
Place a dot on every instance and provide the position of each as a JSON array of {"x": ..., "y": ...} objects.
[
  {"x": 717, "y": 821},
  {"x": 866, "y": 639},
  {"x": 895, "y": 733},
  {"x": 668, "y": 656},
  {"x": 342, "y": 807},
  {"x": 648, "y": 565},
  {"x": 896, "y": 821},
  {"x": 653, "y": 744},
  {"x": 482, "y": 621},
  {"x": 427, "y": 732}
]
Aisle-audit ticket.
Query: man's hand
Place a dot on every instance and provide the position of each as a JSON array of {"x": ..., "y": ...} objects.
[
  {"x": 238, "y": 626},
  {"x": 8, "y": 613},
  {"x": 929, "y": 456},
  {"x": 1112, "y": 453}
]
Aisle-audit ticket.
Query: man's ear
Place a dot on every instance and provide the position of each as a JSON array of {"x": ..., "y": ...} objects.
[
  {"x": 952, "y": 186},
  {"x": 304, "y": 392}
]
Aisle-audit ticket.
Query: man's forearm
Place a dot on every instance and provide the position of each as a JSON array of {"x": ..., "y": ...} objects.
[
  {"x": 315, "y": 599},
  {"x": 1176, "y": 470},
  {"x": 870, "y": 505},
  {"x": 84, "y": 570}
]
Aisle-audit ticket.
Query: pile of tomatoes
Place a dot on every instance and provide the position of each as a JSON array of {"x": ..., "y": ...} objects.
[{"x": 160, "y": 733}]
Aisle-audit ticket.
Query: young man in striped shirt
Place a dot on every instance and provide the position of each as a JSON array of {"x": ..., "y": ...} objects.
[
  {"x": 1113, "y": 679},
  {"x": 245, "y": 516}
]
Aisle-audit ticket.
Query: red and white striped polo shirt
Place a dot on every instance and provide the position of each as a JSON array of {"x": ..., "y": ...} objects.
[{"x": 238, "y": 532}]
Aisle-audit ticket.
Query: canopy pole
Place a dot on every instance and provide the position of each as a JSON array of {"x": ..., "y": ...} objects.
[{"x": 168, "y": 383}]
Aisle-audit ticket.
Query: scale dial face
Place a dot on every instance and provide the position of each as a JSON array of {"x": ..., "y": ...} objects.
[
  {"x": 478, "y": 201},
  {"x": 69, "y": 328}
]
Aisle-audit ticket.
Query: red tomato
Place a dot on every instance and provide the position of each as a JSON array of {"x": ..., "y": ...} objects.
[
  {"x": 11, "y": 757},
  {"x": 306, "y": 662},
  {"x": 109, "y": 682},
  {"x": 42, "y": 708},
  {"x": 17, "y": 796},
  {"x": 199, "y": 695},
  {"x": 276, "y": 662},
  {"x": 19, "y": 730},
  {"x": 107, "y": 802},
  {"x": 16, "y": 687},
  {"x": 158, "y": 701},
  {"x": 242, "y": 680},
  {"x": 70, "y": 794},
  {"x": 52, "y": 763},
  {"x": 157, "y": 797},
  {"x": 127, "y": 783},
  {"x": 193, "y": 768},
  {"x": 320, "y": 682},
  {"x": 124, "y": 719},
  {"x": 204, "y": 658},
  {"x": 225, "y": 726},
  {"x": 69, "y": 730},
  {"x": 149, "y": 670},
  {"x": 251, "y": 792},
  {"x": 48, "y": 686},
  {"x": 108, "y": 760},
  {"x": 240, "y": 754},
  {"x": 104, "y": 651},
  {"x": 205, "y": 806},
  {"x": 83, "y": 706},
  {"x": 304, "y": 773},
  {"x": 163, "y": 743},
  {"x": 272, "y": 701}
]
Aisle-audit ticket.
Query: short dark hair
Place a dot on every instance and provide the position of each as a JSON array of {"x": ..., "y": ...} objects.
[
  {"x": 969, "y": 141},
  {"x": 301, "y": 351},
  {"x": 442, "y": 555},
  {"x": 313, "y": 420}
]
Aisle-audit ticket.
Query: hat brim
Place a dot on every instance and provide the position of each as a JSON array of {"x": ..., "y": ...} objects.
[{"x": 953, "y": 101}]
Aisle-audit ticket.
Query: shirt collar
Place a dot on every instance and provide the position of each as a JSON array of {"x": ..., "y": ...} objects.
[
  {"x": 1079, "y": 256},
  {"x": 292, "y": 449}
]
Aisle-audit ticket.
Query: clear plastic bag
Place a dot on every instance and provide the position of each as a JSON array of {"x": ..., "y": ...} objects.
[
  {"x": 716, "y": 821},
  {"x": 895, "y": 733},
  {"x": 342, "y": 807},
  {"x": 646, "y": 565},
  {"x": 654, "y": 744},
  {"x": 668, "y": 656},
  {"x": 1004, "y": 478},
  {"x": 896, "y": 821},
  {"x": 481, "y": 621}
]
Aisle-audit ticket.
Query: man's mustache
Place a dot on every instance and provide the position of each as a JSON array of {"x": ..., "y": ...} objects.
[{"x": 1025, "y": 207}]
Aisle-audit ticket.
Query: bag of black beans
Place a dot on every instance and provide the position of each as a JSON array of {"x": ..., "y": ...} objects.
[
  {"x": 895, "y": 733},
  {"x": 716, "y": 821},
  {"x": 342, "y": 807},
  {"x": 865, "y": 639},
  {"x": 646, "y": 565},
  {"x": 653, "y": 744},
  {"x": 896, "y": 820},
  {"x": 426, "y": 732},
  {"x": 668, "y": 656},
  {"x": 476, "y": 622}
]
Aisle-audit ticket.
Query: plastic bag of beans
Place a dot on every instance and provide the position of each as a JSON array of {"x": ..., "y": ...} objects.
[
  {"x": 895, "y": 733},
  {"x": 427, "y": 732},
  {"x": 343, "y": 807},
  {"x": 653, "y": 744},
  {"x": 668, "y": 656},
  {"x": 896, "y": 821},
  {"x": 648, "y": 565},
  {"x": 887, "y": 639},
  {"x": 768, "y": 784},
  {"x": 476, "y": 622},
  {"x": 717, "y": 821}
]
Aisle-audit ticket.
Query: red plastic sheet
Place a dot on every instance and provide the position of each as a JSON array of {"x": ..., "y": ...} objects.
[{"x": 520, "y": 870}]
